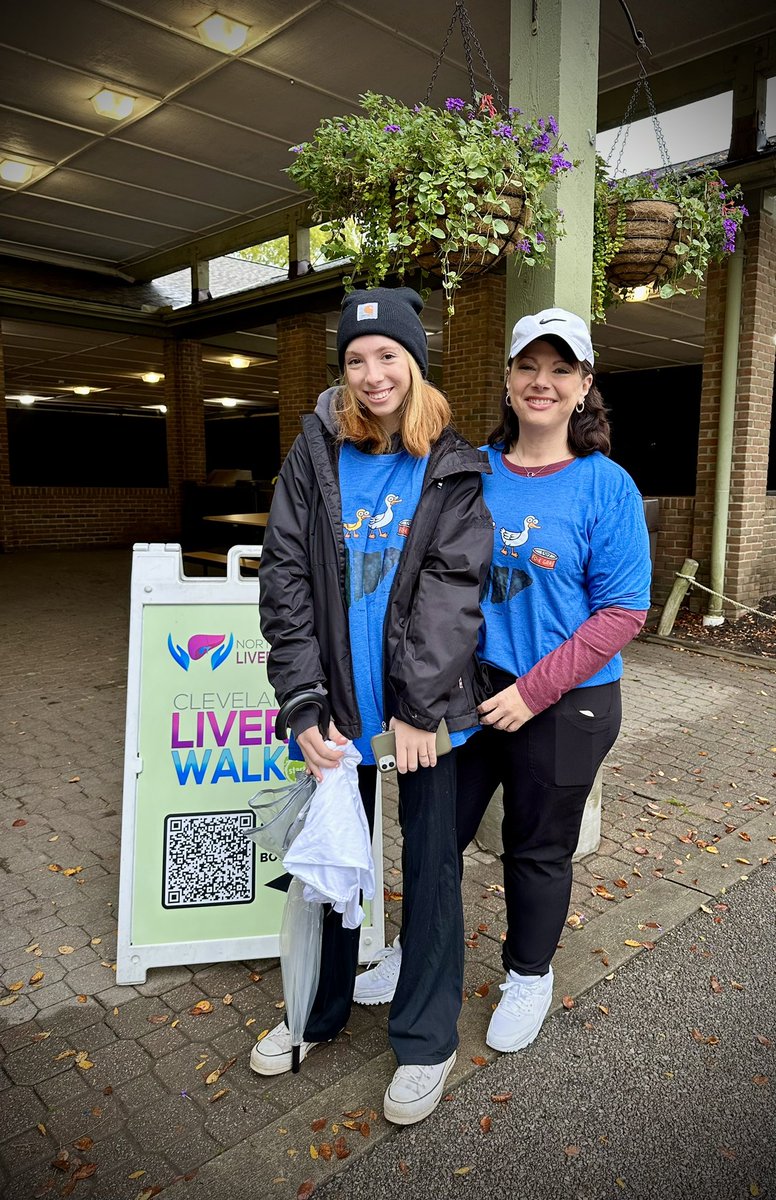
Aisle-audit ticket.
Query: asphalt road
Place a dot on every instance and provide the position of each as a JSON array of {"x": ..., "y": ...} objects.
[{"x": 669, "y": 1093}]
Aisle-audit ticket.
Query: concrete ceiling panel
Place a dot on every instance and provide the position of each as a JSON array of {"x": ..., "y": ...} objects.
[{"x": 129, "y": 200}]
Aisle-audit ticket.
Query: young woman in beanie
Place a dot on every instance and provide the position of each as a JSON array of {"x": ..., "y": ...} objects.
[
  {"x": 374, "y": 559},
  {"x": 568, "y": 587}
]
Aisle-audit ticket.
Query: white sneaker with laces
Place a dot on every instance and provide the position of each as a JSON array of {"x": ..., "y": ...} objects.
[
  {"x": 378, "y": 984},
  {"x": 272, "y": 1055},
  {"x": 415, "y": 1091},
  {"x": 521, "y": 1011}
]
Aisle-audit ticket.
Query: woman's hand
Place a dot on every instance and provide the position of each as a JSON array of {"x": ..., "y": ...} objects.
[
  {"x": 414, "y": 747},
  {"x": 506, "y": 710},
  {"x": 317, "y": 754}
]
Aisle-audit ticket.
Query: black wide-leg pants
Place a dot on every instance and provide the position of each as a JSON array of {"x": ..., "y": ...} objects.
[
  {"x": 546, "y": 769},
  {"x": 424, "y": 1011}
]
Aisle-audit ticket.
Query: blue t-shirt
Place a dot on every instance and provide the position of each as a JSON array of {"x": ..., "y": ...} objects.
[
  {"x": 380, "y": 493},
  {"x": 565, "y": 546}
]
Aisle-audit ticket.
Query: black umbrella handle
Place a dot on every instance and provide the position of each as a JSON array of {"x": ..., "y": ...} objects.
[
  {"x": 302, "y": 700},
  {"x": 295, "y": 1059}
]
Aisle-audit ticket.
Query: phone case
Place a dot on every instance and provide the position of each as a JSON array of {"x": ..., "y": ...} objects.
[{"x": 384, "y": 747}]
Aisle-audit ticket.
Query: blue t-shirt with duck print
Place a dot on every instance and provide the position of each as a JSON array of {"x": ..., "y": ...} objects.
[
  {"x": 565, "y": 546},
  {"x": 380, "y": 493}
]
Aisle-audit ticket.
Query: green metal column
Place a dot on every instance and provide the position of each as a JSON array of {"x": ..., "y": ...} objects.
[{"x": 554, "y": 70}]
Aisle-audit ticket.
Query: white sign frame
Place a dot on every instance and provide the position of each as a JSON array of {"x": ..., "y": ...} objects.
[{"x": 158, "y": 579}]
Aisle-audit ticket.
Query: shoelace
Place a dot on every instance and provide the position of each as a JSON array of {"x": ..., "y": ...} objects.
[
  {"x": 518, "y": 996},
  {"x": 386, "y": 964},
  {"x": 416, "y": 1078}
]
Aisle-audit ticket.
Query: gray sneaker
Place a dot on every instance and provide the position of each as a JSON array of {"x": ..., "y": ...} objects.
[{"x": 378, "y": 984}]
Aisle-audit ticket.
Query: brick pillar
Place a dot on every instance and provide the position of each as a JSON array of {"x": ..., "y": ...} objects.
[
  {"x": 302, "y": 375},
  {"x": 6, "y": 530},
  {"x": 185, "y": 412},
  {"x": 473, "y": 361},
  {"x": 745, "y": 574}
]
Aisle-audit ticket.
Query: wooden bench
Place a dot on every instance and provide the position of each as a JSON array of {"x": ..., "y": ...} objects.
[{"x": 212, "y": 558}]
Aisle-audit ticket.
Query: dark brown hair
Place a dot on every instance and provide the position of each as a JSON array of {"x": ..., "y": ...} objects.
[{"x": 587, "y": 431}]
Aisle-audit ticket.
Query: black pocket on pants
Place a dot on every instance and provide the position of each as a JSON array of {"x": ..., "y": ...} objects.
[{"x": 568, "y": 742}]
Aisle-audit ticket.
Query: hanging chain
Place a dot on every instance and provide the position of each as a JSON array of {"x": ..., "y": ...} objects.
[
  {"x": 642, "y": 82},
  {"x": 460, "y": 13}
]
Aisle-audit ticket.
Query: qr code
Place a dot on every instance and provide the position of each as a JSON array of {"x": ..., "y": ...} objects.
[{"x": 208, "y": 860}]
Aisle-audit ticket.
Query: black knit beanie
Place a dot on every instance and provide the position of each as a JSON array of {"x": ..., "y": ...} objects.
[{"x": 390, "y": 311}]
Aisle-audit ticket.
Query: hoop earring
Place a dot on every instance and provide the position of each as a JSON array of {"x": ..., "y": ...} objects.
[{"x": 579, "y": 406}]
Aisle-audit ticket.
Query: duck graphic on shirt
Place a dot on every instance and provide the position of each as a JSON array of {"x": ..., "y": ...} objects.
[
  {"x": 511, "y": 539},
  {"x": 351, "y": 528},
  {"x": 380, "y": 521}
]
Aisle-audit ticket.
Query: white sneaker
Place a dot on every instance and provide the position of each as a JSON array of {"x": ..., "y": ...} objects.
[
  {"x": 414, "y": 1092},
  {"x": 272, "y": 1055},
  {"x": 521, "y": 1011},
  {"x": 378, "y": 984}
]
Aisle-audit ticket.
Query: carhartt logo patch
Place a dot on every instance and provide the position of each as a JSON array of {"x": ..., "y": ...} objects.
[{"x": 367, "y": 312}]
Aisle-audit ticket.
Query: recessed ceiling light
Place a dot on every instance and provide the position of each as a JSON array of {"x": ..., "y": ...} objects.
[
  {"x": 116, "y": 105},
  {"x": 637, "y": 294},
  {"x": 239, "y": 362},
  {"x": 27, "y": 400},
  {"x": 221, "y": 33},
  {"x": 14, "y": 171},
  {"x": 83, "y": 391},
  {"x": 229, "y": 402},
  {"x": 160, "y": 408},
  {"x": 152, "y": 377}
]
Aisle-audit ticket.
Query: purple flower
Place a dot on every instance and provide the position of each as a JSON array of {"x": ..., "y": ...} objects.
[
  {"x": 515, "y": 112},
  {"x": 524, "y": 246},
  {"x": 392, "y": 128},
  {"x": 743, "y": 209},
  {"x": 559, "y": 163},
  {"x": 540, "y": 236},
  {"x": 296, "y": 149},
  {"x": 540, "y": 122},
  {"x": 553, "y": 124},
  {"x": 454, "y": 104},
  {"x": 541, "y": 143},
  {"x": 503, "y": 131}
]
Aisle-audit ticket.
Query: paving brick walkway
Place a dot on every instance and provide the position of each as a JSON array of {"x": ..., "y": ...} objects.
[{"x": 103, "y": 1088}]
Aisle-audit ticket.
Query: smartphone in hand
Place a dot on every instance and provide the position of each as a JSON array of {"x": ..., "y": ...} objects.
[{"x": 384, "y": 747}]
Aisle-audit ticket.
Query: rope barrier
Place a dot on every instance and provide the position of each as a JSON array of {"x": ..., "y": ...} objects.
[{"x": 693, "y": 583}]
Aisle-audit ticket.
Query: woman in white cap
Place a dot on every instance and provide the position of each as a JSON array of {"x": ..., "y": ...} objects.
[
  {"x": 568, "y": 587},
  {"x": 377, "y": 549}
]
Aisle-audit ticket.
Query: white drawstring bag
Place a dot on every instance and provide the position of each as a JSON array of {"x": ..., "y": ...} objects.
[{"x": 332, "y": 854}]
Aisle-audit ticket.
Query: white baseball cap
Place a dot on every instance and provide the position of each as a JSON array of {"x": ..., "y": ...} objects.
[{"x": 570, "y": 328}]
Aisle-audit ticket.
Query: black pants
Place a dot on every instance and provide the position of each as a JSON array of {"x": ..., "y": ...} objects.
[
  {"x": 424, "y": 1011},
  {"x": 546, "y": 768}
]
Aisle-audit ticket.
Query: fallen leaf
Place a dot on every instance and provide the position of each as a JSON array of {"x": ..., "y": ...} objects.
[
  {"x": 715, "y": 985},
  {"x": 67, "y": 950},
  {"x": 711, "y": 849},
  {"x": 479, "y": 1061},
  {"x": 16, "y": 986},
  {"x": 219, "y": 1095},
  {"x": 754, "y": 1189},
  {"x": 325, "y": 1151},
  {"x": 18, "y": 823},
  {"x": 62, "y": 1161},
  {"x": 41, "y": 1129},
  {"x": 340, "y": 1148},
  {"x": 354, "y": 1112},
  {"x": 227, "y": 999},
  {"x": 313, "y": 1151},
  {"x": 364, "y": 1129},
  {"x": 82, "y": 999},
  {"x": 388, "y": 895},
  {"x": 761, "y": 1080},
  {"x": 640, "y": 850},
  {"x": 482, "y": 990},
  {"x": 136, "y": 1175},
  {"x": 318, "y": 1125},
  {"x": 485, "y": 1124},
  {"x": 461, "y": 1170},
  {"x": 744, "y": 836},
  {"x": 604, "y": 1009},
  {"x": 159, "y": 1019},
  {"x": 726, "y": 1152},
  {"x": 404, "y": 1167},
  {"x": 621, "y": 883},
  {"x": 30, "y": 949},
  {"x": 6, "y": 1000},
  {"x": 745, "y": 861},
  {"x": 630, "y": 942},
  {"x": 254, "y": 977},
  {"x": 764, "y": 1041},
  {"x": 568, "y": 1002},
  {"x": 201, "y": 1008},
  {"x": 75, "y": 779},
  {"x": 305, "y": 1190},
  {"x": 72, "y": 871},
  {"x": 83, "y": 1143},
  {"x": 213, "y": 1077},
  {"x": 483, "y": 928},
  {"x": 602, "y": 891},
  {"x": 95, "y": 941},
  {"x": 280, "y": 1004},
  {"x": 501, "y": 1097},
  {"x": 571, "y": 1151},
  {"x": 85, "y": 1064},
  {"x": 736, "y": 986}
]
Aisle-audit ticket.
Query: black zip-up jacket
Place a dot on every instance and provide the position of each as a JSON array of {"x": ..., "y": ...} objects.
[{"x": 433, "y": 615}]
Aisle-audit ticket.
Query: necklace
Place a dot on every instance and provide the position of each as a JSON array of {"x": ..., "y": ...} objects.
[{"x": 531, "y": 472}]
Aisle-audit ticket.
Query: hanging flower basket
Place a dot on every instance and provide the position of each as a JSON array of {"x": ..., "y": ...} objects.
[
  {"x": 652, "y": 241},
  {"x": 512, "y": 212},
  {"x": 449, "y": 190}
]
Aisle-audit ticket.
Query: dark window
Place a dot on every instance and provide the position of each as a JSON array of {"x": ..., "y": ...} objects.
[
  {"x": 655, "y": 417},
  {"x": 50, "y": 448}
]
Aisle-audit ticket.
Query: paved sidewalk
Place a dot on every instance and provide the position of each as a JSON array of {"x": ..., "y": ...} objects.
[{"x": 687, "y": 811}]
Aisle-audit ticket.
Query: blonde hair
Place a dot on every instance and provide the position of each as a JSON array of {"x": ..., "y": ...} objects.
[{"x": 423, "y": 415}]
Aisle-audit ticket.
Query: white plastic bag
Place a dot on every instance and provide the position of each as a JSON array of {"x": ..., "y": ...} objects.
[{"x": 333, "y": 853}]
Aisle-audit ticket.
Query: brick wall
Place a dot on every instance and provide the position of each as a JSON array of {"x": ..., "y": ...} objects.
[
  {"x": 674, "y": 541},
  {"x": 750, "y": 567},
  {"x": 302, "y": 374},
  {"x": 473, "y": 360}
]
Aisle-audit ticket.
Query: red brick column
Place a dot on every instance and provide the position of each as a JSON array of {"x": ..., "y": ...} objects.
[
  {"x": 302, "y": 375},
  {"x": 473, "y": 360},
  {"x": 185, "y": 412},
  {"x": 749, "y": 570},
  {"x": 5, "y": 468}
]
